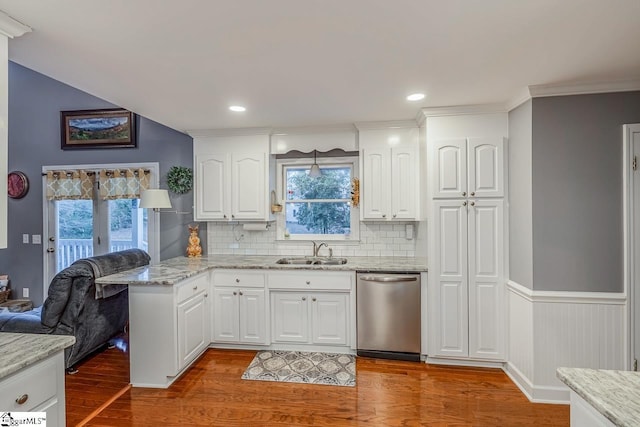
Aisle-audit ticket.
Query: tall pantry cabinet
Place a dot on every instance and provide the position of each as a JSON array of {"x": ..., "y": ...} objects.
[{"x": 467, "y": 252}]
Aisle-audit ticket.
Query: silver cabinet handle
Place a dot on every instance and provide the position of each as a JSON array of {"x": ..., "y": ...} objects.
[
  {"x": 21, "y": 400},
  {"x": 388, "y": 279}
]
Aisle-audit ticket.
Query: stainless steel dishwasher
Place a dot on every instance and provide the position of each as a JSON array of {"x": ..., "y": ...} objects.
[{"x": 388, "y": 315}]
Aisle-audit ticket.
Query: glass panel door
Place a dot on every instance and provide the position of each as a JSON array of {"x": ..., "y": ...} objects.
[
  {"x": 74, "y": 231},
  {"x": 128, "y": 225}
]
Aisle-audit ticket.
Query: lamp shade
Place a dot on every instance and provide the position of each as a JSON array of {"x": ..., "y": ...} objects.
[
  {"x": 315, "y": 171},
  {"x": 155, "y": 199}
]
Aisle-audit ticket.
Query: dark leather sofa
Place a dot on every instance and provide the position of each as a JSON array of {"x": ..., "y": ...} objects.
[{"x": 73, "y": 307}]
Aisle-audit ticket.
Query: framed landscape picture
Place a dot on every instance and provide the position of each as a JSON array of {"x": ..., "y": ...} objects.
[{"x": 110, "y": 128}]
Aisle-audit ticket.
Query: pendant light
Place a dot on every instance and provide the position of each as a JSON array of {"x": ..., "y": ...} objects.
[{"x": 315, "y": 171}]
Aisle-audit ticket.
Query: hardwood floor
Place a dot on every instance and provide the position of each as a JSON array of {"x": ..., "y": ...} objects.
[{"x": 388, "y": 393}]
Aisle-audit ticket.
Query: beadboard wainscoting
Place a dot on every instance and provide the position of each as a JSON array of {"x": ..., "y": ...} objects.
[
  {"x": 548, "y": 330},
  {"x": 376, "y": 239}
]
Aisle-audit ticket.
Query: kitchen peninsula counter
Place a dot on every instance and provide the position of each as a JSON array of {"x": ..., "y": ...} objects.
[
  {"x": 174, "y": 270},
  {"x": 18, "y": 351}
]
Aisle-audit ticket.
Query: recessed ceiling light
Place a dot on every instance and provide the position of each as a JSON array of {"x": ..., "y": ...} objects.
[
  {"x": 237, "y": 108},
  {"x": 415, "y": 97}
]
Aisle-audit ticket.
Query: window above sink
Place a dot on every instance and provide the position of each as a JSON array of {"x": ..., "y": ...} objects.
[{"x": 317, "y": 208}]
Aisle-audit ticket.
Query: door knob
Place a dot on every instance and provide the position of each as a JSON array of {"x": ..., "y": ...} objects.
[{"x": 52, "y": 239}]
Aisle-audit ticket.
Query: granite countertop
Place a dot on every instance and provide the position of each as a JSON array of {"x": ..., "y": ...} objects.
[
  {"x": 615, "y": 394},
  {"x": 18, "y": 351},
  {"x": 174, "y": 270}
]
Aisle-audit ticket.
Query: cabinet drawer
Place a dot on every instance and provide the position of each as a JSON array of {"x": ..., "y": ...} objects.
[
  {"x": 192, "y": 287},
  {"x": 38, "y": 382},
  {"x": 311, "y": 280},
  {"x": 244, "y": 278}
]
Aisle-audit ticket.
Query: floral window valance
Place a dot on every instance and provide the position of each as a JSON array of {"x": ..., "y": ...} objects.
[{"x": 123, "y": 183}]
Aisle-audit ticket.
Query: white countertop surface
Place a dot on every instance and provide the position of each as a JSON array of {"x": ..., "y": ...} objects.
[
  {"x": 615, "y": 394},
  {"x": 174, "y": 270},
  {"x": 18, "y": 351}
]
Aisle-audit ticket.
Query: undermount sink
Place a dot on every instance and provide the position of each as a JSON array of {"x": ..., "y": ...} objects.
[{"x": 312, "y": 261}]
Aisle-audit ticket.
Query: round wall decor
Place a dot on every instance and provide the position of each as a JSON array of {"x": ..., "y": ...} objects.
[
  {"x": 17, "y": 185},
  {"x": 180, "y": 179}
]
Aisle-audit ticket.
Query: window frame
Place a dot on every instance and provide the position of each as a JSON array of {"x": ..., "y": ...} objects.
[{"x": 282, "y": 166}]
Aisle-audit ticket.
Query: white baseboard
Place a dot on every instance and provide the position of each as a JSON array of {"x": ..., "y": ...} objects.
[
  {"x": 470, "y": 363},
  {"x": 537, "y": 394}
]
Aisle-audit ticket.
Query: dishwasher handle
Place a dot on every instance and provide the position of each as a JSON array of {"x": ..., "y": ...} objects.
[{"x": 389, "y": 279}]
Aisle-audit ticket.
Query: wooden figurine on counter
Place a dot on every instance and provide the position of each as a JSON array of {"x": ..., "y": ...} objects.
[{"x": 194, "y": 249}]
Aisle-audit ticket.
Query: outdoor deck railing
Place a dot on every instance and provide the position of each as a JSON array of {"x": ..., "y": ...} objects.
[{"x": 70, "y": 250}]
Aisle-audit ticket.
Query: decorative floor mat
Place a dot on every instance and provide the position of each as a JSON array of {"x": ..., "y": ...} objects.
[{"x": 303, "y": 367}]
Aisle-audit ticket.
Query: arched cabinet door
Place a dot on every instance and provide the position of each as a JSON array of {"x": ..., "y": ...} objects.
[
  {"x": 450, "y": 168},
  {"x": 211, "y": 187},
  {"x": 486, "y": 167}
]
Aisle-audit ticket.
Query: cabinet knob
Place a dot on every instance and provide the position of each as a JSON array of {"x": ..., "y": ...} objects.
[
  {"x": 464, "y": 203},
  {"x": 240, "y": 293},
  {"x": 313, "y": 299},
  {"x": 224, "y": 216},
  {"x": 308, "y": 282},
  {"x": 235, "y": 293},
  {"x": 21, "y": 400},
  {"x": 384, "y": 215},
  {"x": 195, "y": 288},
  {"x": 464, "y": 193},
  {"x": 206, "y": 295},
  {"x": 473, "y": 203},
  {"x": 304, "y": 298},
  {"x": 233, "y": 216},
  {"x": 237, "y": 280},
  {"x": 473, "y": 193},
  {"x": 394, "y": 215}
]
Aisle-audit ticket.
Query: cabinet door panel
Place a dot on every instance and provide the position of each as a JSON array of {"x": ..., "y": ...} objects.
[
  {"x": 449, "y": 321},
  {"x": 252, "y": 317},
  {"x": 211, "y": 186},
  {"x": 192, "y": 329},
  {"x": 290, "y": 315},
  {"x": 248, "y": 186},
  {"x": 450, "y": 168},
  {"x": 486, "y": 287},
  {"x": 225, "y": 315},
  {"x": 486, "y": 167},
  {"x": 375, "y": 183},
  {"x": 329, "y": 318},
  {"x": 403, "y": 182}
]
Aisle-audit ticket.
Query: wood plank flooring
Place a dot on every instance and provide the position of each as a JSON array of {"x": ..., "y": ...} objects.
[{"x": 388, "y": 393}]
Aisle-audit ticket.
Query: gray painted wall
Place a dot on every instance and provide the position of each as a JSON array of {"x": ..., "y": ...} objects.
[
  {"x": 35, "y": 102},
  {"x": 577, "y": 190},
  {"x": 520, "y": 214}
]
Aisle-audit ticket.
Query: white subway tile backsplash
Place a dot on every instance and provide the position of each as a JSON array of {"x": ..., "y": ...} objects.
[{"x": 376, "y": 239}]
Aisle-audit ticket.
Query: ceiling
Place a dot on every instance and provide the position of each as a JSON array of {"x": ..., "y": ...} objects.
[{"x": 320, "y": 62}]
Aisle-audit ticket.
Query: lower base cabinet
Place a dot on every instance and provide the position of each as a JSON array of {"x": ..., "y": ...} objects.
[{"x": 309, "y": 317}]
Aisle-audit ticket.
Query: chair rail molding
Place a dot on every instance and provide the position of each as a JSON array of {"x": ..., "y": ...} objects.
[{"x": 551, "y": 329}]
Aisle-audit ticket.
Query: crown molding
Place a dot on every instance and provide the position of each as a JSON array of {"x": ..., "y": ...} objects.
[
  {"x": 304, "y": 130},
  {"x": 200, "y": 133},
  {"x": 458, "y": 110},
  {"x": 389, "y": 124},
  {"x": 537, "y": 91},
  {"x": 12, "y": 28},
  {"x": 517, "y": 100}
]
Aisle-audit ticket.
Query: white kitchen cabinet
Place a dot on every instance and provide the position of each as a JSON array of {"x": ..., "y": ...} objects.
[
  {"x": 37, "y": 388},
  {"x": 239, "y": 308},
  {"x": 468, "y": 167},
  {"x": 310, "y": 317},
  {"x": 467, "y": 299},
  {"x": 312, "y": 307},
  {"x": 181, "y": 316},
  {"x": 390, "y": 170},
  {"x": 583, "y": 414},
  {"x": 233, "y": 177}
]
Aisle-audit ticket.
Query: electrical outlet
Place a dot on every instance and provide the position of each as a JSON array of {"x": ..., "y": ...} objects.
[
  {"x": 36, "y": 239},
  {"x": 25, "y": 238},
  {"x": 25, "y": 292}
]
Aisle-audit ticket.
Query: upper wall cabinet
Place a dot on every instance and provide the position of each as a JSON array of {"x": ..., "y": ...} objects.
[
  {"x": 468, "y": 167},
  {"x": 390, "y": 171},
  {"x": 232, "y": 178}
]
